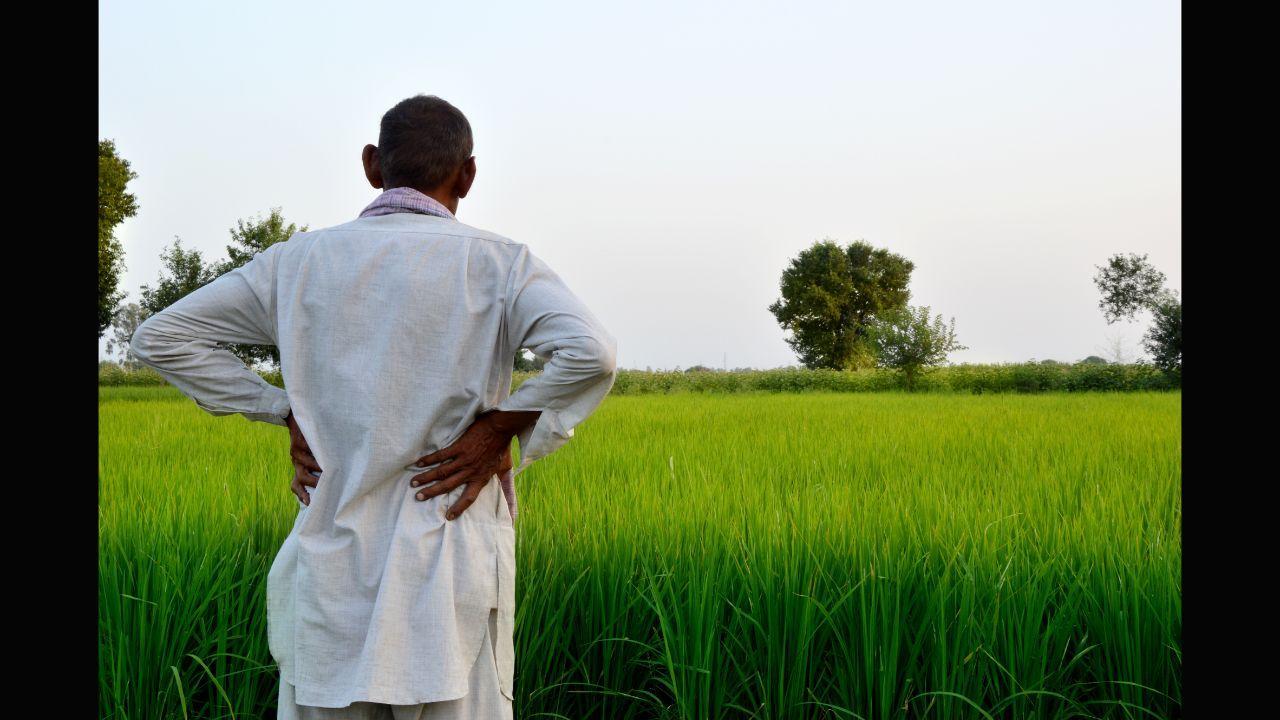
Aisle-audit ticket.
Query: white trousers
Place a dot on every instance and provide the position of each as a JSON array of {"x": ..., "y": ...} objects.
[{"x": 483, "y": 701}]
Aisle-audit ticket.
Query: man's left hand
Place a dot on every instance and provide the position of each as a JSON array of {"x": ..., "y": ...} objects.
[{"x": 303, "y": 462}]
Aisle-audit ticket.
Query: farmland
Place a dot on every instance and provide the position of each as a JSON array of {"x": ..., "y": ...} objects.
[{"x": 819, "y": 555}]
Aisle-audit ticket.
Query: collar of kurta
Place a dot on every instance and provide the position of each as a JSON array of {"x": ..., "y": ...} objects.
[{"x": 403, "y": 199}]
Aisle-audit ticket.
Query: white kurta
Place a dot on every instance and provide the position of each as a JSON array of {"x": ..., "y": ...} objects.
[{"x": 394, "y": 333}]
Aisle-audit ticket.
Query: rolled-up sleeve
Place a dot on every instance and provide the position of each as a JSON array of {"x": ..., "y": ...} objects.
[
  {"x": 544, "y": 316},
  {"x": 186, "y": 341}
]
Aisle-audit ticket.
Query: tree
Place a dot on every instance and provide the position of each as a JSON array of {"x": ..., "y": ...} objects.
[
  {"x": 907, "y": 340},
  {"x": 114, "y": 205},
  {"x": 1164, "y": 339},
  {"x": 1130, "y": 284},
  {"x": 1094, "y": 360},
  {"x": 125, "y": 323},
  {"x": 185, "y": 271},
  {"x": 832, "y": 295},
  {"x": 1115, "y": 349},
  {"x": 182, "y": 273},
  {"x": 249, "y": 238}
]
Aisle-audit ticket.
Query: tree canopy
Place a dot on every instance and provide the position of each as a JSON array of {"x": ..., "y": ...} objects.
[
  {"x": 1164, "y": 338},
  {"x": 1129, "y": 284},
  {"x": 831, "y": 296},
  {"x": 185, "y": 271},
  {"x": 182, "y": 272},
  {"x": 248, "y": 238},
  {"x": 115, "y": 204}
]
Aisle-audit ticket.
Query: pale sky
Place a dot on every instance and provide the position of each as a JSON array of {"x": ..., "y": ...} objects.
[{"x": 668, "y": 158}]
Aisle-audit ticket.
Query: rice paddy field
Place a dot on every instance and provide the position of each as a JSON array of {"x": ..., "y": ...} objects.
[{"x": 870, "y": 555}]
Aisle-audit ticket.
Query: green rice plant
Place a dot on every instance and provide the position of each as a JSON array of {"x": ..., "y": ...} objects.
[{"x": 697, "y": 555}]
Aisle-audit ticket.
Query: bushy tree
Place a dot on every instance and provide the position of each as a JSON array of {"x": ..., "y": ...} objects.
[
  {"x": 1094, "y": 360},
  {"x": 115, "y": 204},
  {"x": 908, "y": 340},
  {"x": 1129, "y": 284},
  {"x": 832, "y": 295},
  {"x": 1164, "y": 338}
]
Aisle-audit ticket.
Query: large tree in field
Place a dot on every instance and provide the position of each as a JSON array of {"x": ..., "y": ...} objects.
[
  {"x": 1129, "y": 284},
  {"x": 832, "y": 295},
  {"x": 114, "y": 205}
]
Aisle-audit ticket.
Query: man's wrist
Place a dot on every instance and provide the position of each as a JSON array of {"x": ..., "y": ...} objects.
[{"x": 509, "y": 423}]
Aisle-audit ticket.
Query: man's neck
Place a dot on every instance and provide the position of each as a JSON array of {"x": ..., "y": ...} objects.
[{"x": 446, "y": 199}]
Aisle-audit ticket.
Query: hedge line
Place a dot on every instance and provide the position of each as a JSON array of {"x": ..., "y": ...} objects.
[{"x": 1019, "y": 377}]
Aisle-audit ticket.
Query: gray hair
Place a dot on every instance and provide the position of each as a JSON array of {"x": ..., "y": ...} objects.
[{"x": 422, "y": 140}]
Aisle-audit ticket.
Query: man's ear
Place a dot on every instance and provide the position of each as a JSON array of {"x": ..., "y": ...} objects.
[
  {"x": 466, "y": 176},
  {"x": 372, "y": 165}
]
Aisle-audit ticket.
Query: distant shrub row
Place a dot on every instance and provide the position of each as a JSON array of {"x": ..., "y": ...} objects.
[
  {"x": 1020, "y": 378},
  {"x": 111, "y": 374}
]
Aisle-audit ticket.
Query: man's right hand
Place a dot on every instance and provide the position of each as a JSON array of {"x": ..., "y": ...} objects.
[{"x": 483, "y": 450}]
